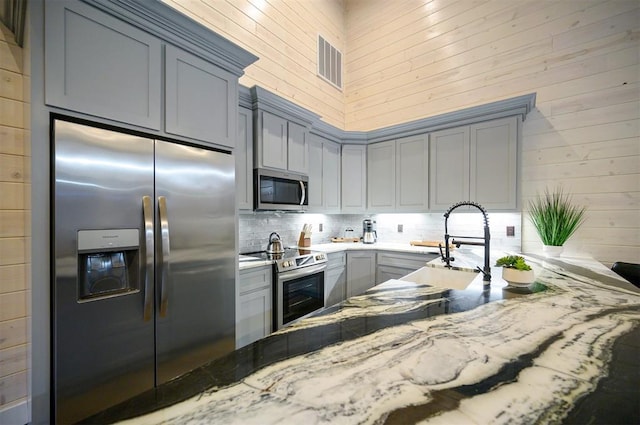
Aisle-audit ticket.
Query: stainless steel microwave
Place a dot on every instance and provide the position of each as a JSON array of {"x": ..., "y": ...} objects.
[{"x": 279, "y": 190}]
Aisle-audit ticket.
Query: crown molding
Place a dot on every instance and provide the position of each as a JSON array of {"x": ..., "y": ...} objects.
[{"x": 168, "y": 24}]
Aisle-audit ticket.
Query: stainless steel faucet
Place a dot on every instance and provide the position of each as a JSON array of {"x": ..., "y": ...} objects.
[{"x": 446, "y": 256}]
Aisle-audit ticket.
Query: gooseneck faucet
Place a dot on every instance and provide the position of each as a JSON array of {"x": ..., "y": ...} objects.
[{"x": 446, "y": 257}]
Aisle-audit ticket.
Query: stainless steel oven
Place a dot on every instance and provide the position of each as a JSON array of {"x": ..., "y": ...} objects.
[
  {"x": 298, "y": 283},
  {"x": 298, "y": 293}
]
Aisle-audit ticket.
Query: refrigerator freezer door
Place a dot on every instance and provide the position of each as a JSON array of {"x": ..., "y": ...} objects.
[
  {"x": 103, "y": 348},
  {"x": 195, "y": 252}
]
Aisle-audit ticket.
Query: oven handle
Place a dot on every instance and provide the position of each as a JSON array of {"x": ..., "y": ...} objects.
[{"x": 305, "y": 271}]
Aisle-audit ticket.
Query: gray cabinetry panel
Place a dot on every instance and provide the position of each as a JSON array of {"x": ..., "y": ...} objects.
[
  {"x": 354, "y": 178},
  {"x": 381, "y": 176},
  {"x": 297, "y": 149},
  {"x": 254, "y": 305},
  {"x": 335, "y": 280},
  {"x": 361, "y": 272},
  {"x": 273, "y": 150},
  {"x": 315, "y": 174},
  {"x": 331, "y": 176},
  {"x": 101, "y": 66},
  {"x": 449, "y": 170},
  {"x": 412, "y": 173},
  {"x": 244, "y": 160},
  {"x": 200, "y": 99},
  {"x": 493, "y": 163}
]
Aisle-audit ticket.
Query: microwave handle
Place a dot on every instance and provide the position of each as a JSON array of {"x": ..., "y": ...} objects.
[{"x": 304, "y": 192}]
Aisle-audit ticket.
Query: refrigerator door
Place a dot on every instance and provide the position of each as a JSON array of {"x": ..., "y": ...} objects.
[
  {"x": 195, "y": 252},
  {"x": 103, "y": 335}
]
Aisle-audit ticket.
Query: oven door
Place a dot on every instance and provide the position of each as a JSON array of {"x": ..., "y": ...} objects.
[{"x": 298, "y": 293}]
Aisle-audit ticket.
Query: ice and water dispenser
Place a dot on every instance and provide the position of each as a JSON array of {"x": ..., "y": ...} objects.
[{"x": 108, "y": 263}]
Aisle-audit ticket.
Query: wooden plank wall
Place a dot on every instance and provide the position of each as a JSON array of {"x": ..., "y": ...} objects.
[
  {"x": 14, "y": 222},
  {"x": 284, "y": 34},
  {"x": 580, "y": 57}
]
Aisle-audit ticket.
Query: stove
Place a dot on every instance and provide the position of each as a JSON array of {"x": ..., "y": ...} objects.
[{"x": 298, "y": 283}]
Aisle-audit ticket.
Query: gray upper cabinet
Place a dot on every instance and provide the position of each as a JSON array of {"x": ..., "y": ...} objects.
[
  {"x": 324, "y": 175},
  {"x": 281, "y": 144},
  {"x": 412, "y": 174},
  {"x": 381, "y": 176},
  {"x": 398, "y": 175},
  {"x": 101, "y": 66},
  {"x": 476, "y": 163},
  {"x": 201, "y": 99},
  {"x": 244, "y": 160},
  {"x": 354, "y": 178},
  {"x": 449, "y": 167},
  {"x": 493, "y": 168}
]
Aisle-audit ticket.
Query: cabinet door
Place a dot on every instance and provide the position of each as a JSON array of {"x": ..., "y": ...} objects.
[
  {"x": 298, "y": 148},
  {"x": 244, "y": 160},
  {"x": 493, "y": 163},
  {"x": 381, "y": 176},
  {"x": 384, "y": 273},
  {"x": 331, "y": 176},
  {"x": 316, "y": 186},
  {"x": 412, "y": 173},
  {"x": 449, "y": 167},
  {"x": 354, "y": 178},
  {"x": 361, "y": 272},
  {"x": 254, "y": 321},
  {"x": 101, "y": 66},
  {"x": 274, "y": 141},
  {"x": 201, "y": 99},
  {"x": 335, "y": 286}
]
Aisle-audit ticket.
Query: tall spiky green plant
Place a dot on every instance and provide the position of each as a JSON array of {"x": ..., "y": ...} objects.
[{"x": 554, "y": 217}]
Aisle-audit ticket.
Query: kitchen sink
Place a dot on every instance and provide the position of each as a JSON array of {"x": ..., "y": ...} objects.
[{"x": 442, "y": 277}]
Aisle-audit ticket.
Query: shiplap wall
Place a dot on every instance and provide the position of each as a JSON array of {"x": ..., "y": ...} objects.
[
  {"x": 284, "y": 34},
  {"x": 14, "y": 224},
  {"x": 580, "y": 57}
]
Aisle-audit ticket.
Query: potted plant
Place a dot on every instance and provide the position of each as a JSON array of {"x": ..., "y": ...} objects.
[
  {"x": 555, "y": 219},
  {"x": 515, "y": 270}
]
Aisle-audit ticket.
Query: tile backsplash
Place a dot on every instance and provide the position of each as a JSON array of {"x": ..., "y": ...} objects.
[{"x": 256, "y": 227}]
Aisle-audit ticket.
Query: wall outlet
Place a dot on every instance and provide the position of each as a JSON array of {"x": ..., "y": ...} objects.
[
  {"x": 511, "y": 230},
  {"x": 320, "y": 227},
  {"x": 400, "y": 228}
]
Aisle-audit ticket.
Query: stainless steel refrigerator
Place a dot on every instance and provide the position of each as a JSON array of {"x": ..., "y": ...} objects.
[{"x": 143, "y": 286}]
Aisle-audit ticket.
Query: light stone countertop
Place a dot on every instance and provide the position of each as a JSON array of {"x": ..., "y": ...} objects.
[{"x": 412, "y": 353}]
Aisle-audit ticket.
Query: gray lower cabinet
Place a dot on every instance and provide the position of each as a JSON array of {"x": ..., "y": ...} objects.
[
  {"x": 394, "y": 265},
  {"x": 475, "y": 163},
  {"x": 101, "y": 66},
  {"x": 200, "y": 99},
  {"x": 361, "y": 272},
  {"x": 324, "y": 175},
  {"x": 244, "y": 160},
  {"x": 335, "y": 279},
  {"x": 254, "y": 305},
  {"x": 353, "y": 168}
]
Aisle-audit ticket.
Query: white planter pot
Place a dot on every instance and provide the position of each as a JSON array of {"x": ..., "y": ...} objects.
[
  {"x": 552, "y": 251},
  {"x": 518, "y": 277}
]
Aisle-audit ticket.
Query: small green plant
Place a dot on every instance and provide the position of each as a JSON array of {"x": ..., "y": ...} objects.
[
  {"x": 513, "y": 262},
  {"x": 554, "y": 217}
]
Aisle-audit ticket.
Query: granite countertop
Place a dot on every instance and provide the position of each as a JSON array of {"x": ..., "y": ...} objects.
[{"x": 564, "y": 350}]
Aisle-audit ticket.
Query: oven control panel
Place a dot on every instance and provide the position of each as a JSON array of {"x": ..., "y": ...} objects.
[{"x": 301, "y": 261}]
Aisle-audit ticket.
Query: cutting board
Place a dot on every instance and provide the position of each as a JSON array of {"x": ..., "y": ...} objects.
[
  {"x": 429, "y": 243},
  {"x": 352, "y": 240}
]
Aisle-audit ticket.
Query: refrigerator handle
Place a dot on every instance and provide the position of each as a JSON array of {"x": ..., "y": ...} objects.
[
  {"x": 304, "y": 192},
  {"x": 147, "y": 212},
  {"x": 164, "y": 240}
]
